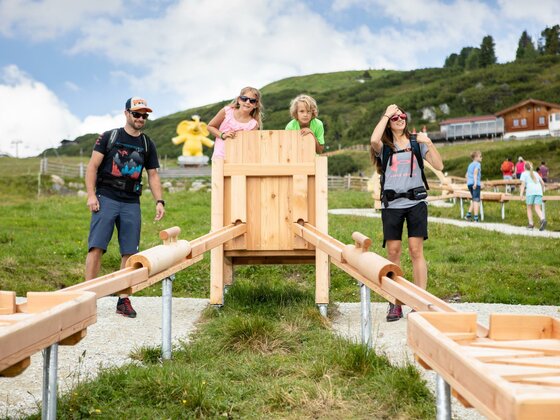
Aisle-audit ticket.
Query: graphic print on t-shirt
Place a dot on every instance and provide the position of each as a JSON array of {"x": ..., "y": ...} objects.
[{"x": 127, "y": 161}]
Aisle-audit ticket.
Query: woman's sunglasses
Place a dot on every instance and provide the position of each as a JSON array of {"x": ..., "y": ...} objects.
[
  {"x": 246, "y": 98},
  {"x": 139, "y": 115},
  {"x": 395, "y": 118}
]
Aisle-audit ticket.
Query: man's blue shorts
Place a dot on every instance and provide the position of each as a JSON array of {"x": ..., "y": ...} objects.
[
  {"x": 475, "y": 192},
  {"x": 125, "y": 216}
]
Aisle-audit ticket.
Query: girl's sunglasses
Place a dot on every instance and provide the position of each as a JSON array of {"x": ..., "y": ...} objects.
[
  {"x": 246, "y": 98},
  {"x": 395, "y": 118}
]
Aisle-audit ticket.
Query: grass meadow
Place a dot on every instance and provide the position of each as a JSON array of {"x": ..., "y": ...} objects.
[{"x": 267, "y": 352}]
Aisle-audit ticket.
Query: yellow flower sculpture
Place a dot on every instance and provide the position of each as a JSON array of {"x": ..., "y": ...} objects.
[{"x": 193, "y": 134}]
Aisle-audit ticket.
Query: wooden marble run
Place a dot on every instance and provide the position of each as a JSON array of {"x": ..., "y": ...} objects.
[
  {"x": 44, "y": 319},
  {"x": 512, "y": 372},
  {"x": 269, "y": 206}
]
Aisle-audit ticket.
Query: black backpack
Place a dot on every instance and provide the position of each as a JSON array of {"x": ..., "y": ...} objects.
[
  {"x": 387, "y": 156},
  {"x": 114, "y": 136}
]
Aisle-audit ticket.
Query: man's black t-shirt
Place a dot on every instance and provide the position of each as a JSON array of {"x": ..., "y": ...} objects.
[{"x": 124, "y": 160}]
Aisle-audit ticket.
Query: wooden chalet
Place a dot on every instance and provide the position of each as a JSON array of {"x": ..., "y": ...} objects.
[{"x": 530, "y": 118}]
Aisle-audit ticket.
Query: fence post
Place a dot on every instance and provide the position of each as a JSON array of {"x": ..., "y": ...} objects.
[
  {"x": 81, "y": 169},
  {"x": 348, "y": 182}
]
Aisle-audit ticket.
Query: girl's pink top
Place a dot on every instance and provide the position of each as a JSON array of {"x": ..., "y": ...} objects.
[{"x": 230, "y": 124}]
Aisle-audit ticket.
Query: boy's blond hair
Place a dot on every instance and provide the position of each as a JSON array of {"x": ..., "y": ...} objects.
[
  {"x": 476, "y": 154},
  {"x": 309, "y": 102}
]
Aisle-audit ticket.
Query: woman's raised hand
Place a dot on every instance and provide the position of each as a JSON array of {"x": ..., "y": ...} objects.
[{"x": 391, "y": 110}]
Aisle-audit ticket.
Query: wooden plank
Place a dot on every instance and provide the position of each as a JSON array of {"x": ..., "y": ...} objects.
[
  {"x": 546, "y": 346},
  {"x": 320, "y": 240},
  {"x": 215, "y": 238},
  {"x": 551, "y": 361},
  {"x": 112, "y": 283},
  {"x": 217, "y": 222},
  {"x": 268, "y": 253},
  {"x": 286, "y": 236},
  {"x": 254, "y": 215},
  {"x": 275, "y": 259},
  {"x": 164, "y": 274},
  {"x": 270, "y": 169},
  {"x": 238, "y": 204},
  {"x": 519, "y": 327},
  {"x": 7, "y": 302},
  {"x": 488, "y": 354},
  {"x": 269, "y": 208},
  {"x": 364, "y": 280},
  {"x": 516, "y": 372}
]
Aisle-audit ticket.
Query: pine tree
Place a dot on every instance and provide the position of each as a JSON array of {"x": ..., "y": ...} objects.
[
  {"x": 487, "y": 55},
  {"x": 550, "y": 40},
  {"x": 451, "y": 61},
  {"x": 525, "y": 48}
]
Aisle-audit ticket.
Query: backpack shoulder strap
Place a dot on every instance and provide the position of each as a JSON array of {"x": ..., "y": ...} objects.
[
  {"x": 112, "y": 139},
  {"x": 415, "y": 146},
  {"x": 146, "y": 142}
]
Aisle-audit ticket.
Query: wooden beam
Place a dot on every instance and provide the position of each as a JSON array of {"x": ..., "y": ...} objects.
[{"x": 271, "y": 169}]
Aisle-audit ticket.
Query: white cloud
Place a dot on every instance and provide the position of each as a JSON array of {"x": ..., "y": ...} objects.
[
  {"x": 33, "y": 114},
  {"x": 46, "y": 19}
]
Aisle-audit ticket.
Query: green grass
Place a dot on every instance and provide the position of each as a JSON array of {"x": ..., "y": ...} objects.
[{"x": 267, "y": 353}]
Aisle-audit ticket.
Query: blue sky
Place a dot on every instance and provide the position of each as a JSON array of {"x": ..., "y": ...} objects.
[{"x": 67, "y": 66}]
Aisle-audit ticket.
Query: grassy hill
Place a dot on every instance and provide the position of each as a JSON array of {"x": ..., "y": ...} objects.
[{"x": 350, "y": 102}]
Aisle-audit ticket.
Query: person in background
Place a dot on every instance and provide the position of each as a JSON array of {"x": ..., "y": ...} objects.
[
  {"x": 474, "y": 176},
  {"x": 397, "y": 153},
  {"x": 507, "y": 169},
  {"x": 532, "y": 183},
  {"x": 544, "y": 171},
  {"x": 113, "y": 183},
  {"x": 304, "y": 111},
  {"x": 244, "y": 113},
  {"x": 519, "y": 167}
]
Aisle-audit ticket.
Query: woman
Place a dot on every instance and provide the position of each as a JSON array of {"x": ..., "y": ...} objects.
[{"x": 402, "y": 191}]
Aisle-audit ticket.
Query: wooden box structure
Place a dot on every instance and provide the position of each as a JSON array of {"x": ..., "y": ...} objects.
[
  {"x": 44, "y": 319},
  {"x": 512, "y": 372},
  {"x": 268, "y": 181}
]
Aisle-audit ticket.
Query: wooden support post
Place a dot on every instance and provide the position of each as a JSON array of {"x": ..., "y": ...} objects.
[
  {"x": 322, "y": 271},
  {"x": 217, "y": 221}
]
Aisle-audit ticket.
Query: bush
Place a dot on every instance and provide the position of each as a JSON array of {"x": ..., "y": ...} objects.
[{"x": 341, "y": 165}]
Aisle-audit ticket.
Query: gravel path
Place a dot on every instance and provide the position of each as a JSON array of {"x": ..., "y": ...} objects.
[
  {"x": 496, "y": 227},
  {"x": 110, "y": 341}
]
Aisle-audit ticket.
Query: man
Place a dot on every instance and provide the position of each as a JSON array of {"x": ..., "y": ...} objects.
[
  {"x": 113, "y": 183},
  {"x": 507, "y": 169}
]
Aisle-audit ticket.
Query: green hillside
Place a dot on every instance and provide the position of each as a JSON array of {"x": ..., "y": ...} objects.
[{"x": 350, "y": 102}]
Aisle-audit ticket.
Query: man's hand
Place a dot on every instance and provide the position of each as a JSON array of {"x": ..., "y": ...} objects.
[
  {"x": 93, "y": 203},
  {"x": 160, "y": 211}
]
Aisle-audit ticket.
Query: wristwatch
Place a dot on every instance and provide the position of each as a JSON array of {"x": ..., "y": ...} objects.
[{"x": 161, "y": 201}]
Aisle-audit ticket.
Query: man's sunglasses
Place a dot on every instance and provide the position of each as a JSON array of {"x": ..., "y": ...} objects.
[
  {"x": 139, "y": 115},
  {"x": 246, "y": 98},
  {"x": 395, "y": 118}
]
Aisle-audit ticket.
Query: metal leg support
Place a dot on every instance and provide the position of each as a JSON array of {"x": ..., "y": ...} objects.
[
  {"x": 461, "y": 206},
  {"x": 50, "y": 379},
  {"x": 543, "y": 211},
  {"x": 167, "y": 295},
  {"x": 503, "y": 211},
  {"x": 365, "y": 304},
  {"x": 323, "y": 309},
  {"x": 443, "y": 399},
  {"x": 481, "y": 211}
]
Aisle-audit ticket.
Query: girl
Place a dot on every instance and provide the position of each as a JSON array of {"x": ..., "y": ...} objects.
[
  {"x": 535, "y": 189},
  {"x": 474, "y": 176},
  {"x": 402, "y": 178},
  {"x": 304, "y": 111},
  {"x": 244, "y": 113}
]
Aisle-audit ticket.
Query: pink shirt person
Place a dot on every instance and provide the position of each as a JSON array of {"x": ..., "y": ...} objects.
[{"x": 230, "y": 124}]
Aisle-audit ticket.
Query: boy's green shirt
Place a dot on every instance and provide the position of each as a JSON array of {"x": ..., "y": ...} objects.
[{"x": 315, "y": 125}]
